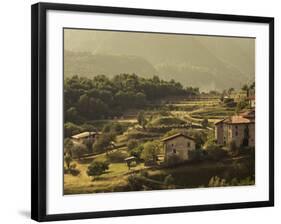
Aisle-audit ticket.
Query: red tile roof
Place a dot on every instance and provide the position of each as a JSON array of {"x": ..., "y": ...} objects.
[
  {"x": 243, "y": 118},
  {"x": 237, "y": 119}
]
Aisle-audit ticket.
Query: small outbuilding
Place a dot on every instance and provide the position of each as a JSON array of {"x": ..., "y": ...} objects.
[{"x": 130, "y": 160}]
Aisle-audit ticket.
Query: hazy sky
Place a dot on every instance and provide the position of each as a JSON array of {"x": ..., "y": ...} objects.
[{"x": 228, "y": 56}]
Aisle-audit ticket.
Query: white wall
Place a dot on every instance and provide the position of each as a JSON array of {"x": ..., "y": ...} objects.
[{"x": 15, "y": 109}]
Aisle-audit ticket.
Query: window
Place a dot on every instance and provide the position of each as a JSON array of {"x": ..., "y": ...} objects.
[
  {"x": 236, "y": 133},
  {"x": 188, "y": 144},
  {"x": 174, "y": 151}
]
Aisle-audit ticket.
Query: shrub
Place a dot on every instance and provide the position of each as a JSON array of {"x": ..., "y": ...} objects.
[
  {"x": 96, "y": 168},
  {"x": 65, "y": 170},
  {"x": 216, "y": 154},
  {"x": 78, "y": 150},
  {"x": 169, "y": 180},
  {"x": 140, "y": 135},
  {"x": 67, "y": 160},
  {"x": 196, "y": 155},
  {"x": 103, "y": 142},
  {"x": 71, "y": 170},
  {"x": 217, "y": 182},
  {"x": 73, "y": 166},
  {"x": 232, "y": 146},
  {"x": 117, "y": 156},
  {"x": 71, "y": 129},
  {"x": 167, "y": 121},
  {"x": 132, "y": 144},
  {"x": 116, "y": 128},
  {"x": 67, "y": 146},
  {"x": 173, "y": 159},
  {"x": 144, "y": 173},
  {"x": 135, "y": 182},
  {"x": 211, "y": 145},
  {"x": 204, "y": 123},
  {"x": 74, "y": 172},
  {"x": 150, "y": 163},
  {"x": 150, "y": 151},
  {"x": 136, "y": 152},
  {"x": 89, "y": 145},
  {"x": 133, "y": 164}
]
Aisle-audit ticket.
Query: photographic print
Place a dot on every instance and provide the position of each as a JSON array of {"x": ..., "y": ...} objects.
[
  {"x": 132, "y": 106},
  {"x": 157, "y": 111}
]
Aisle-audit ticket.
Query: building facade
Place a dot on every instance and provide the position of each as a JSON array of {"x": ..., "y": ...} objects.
[
  {"x": 80, "y": 138},
  {"x": 178, "y": 145},
  {"x": 239, "y": 129}
]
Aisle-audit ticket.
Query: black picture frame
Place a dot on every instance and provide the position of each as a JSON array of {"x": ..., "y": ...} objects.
[{"x": 39, "y": 122}]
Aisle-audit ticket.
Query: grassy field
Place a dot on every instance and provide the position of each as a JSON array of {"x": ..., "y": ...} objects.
[
  {"x": 217, "y": 112},
  {"x": 113, "y": 179},
  {"x": 189, "y": 175}
]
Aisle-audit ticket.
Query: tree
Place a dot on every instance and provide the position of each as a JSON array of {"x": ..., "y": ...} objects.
[
  {"x": 135, "y": 182},
  {"x": 67, "y": 144},
  {"x": 132, "y": 144},
  {"x": 136, "y": 152},
  {"x": 150, "y": 151},
  {"x": 72, "y": 115},
  {"x": 199, "y": 136},
  {"x": 140, "y": 99},
  {"x": 67, "y": 160},
  {"x": 96, "y": 168},
  {"x": 245, "y": 87},
  {"x": 78, "y": 150},
  {"x": 88, "y": 99},
  {"x": 205, "y": 123},
  {"x": 83, "y": 104},
  {"x": 230, "y": 90},
  {"x": 241, "y": 105},
  {"x": 71, "y": 129},
  {"x": 253, "y": 85},
  {"x": 169, "y": 180},
  {"x": 89, "y": 144},
  {"x": 103, "y": 142},
  {"x": 115, "y": 127},
  {"x": 141, "y": 119},
  {"x": 222, "y": 98},
  {"x": 107, "y": 128}
]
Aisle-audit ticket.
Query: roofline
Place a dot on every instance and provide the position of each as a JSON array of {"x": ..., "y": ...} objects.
[
  {"x": 176, "y": 135},
  {"x": 88, "y": 132},
  {"x": 218, "y": 122}
]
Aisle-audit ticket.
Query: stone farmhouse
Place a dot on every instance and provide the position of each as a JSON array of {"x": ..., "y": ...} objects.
[
  {"x": 179, "y": 145},
  {"x": 239, "y": 129}
]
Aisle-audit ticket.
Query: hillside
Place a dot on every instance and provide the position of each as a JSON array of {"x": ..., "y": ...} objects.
[{"x": 206, "y": 62}]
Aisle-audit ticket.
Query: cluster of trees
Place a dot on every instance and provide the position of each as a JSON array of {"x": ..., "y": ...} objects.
[
  {"x": 146, "y": 152},
  {"x": 101, "y": 97},
  {"x": 104, "y": 143}
]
